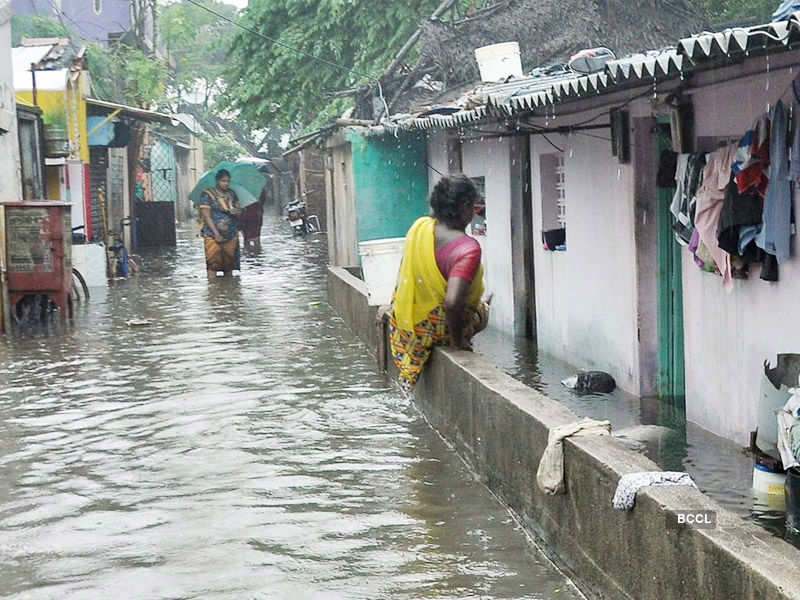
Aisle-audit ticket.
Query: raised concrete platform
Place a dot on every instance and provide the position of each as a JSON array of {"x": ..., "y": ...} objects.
[{"x": 500, "y": 426}]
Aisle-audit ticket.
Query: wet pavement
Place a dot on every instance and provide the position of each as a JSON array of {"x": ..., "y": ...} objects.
[{"x": 242, "y": 446}]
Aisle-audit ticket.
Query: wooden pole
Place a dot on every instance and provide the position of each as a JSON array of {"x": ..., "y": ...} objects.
[{"x": 33, "y": 85}]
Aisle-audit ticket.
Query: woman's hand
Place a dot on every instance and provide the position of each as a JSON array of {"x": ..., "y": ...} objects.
[
  {"x": 465, "y": 345},
  {"x": 218, "y": 238}
]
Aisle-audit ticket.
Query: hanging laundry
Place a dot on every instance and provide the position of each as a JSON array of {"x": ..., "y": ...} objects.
[
  {"x": 688, "y": 177},
  {"x": 738, "y": 210},
  {"x": 794, "y": 172},
  {"x": 702, "y": 257},
  {"x": 710, "y": 199},
  {"x": 752, "y": 158},
  {"x": 775, "y": 236}
]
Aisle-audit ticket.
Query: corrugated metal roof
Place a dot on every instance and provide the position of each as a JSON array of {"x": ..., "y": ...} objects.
[
  {"x": 134, "y": 112},
  {"x": 740, "y": 39},
  {"x": 532, "y": 92}
]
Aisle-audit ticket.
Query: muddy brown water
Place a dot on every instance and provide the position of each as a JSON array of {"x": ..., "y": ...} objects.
[{"x": 241, "y": 446}]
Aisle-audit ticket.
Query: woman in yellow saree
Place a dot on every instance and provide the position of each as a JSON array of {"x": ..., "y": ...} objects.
[{"x": 440, "y": 284}]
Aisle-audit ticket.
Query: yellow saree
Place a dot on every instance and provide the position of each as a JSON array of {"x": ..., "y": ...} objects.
[{"x": 418, "y": 321}]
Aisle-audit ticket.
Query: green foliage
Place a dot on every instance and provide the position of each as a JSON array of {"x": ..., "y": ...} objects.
[
  {"x": 34, "y": 26},
  {"x": 268, "y": 82},
  {"x": 220, "y": 147},
  {"x": 123, "y": 73},
  {"x": 740, "y": 11},
  {"x": 198, "y": 42}
]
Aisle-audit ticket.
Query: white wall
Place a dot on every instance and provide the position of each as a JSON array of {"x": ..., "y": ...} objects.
[
  {"x": 437, "y": 157},
  {"x": 728, "y": 336},
  {"x": 9, "y": 144},
  {"x": 491, "y": 159},
  {"x": 586, "y": 301}
]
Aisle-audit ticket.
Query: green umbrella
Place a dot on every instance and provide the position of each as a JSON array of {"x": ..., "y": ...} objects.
[{"x": 246, "y": 181}]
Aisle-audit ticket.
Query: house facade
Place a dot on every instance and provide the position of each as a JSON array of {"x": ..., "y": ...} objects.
[
  {"x": 579, "y": 242},
  {"x": 376, "y": 187},
  {"x": 93, "y": 20}
]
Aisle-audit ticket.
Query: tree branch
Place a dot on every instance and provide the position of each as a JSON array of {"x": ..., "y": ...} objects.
[{"x": 413, "y": 39}]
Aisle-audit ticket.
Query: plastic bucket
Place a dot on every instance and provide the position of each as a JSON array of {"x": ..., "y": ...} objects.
[
  {"x": 793, "y": 499},
  {"x": 767, "y": 481},
  {"x": 380, "y": 262},
  {"x": 499, "y": 61},
  {"x": 771, "y": 399}
]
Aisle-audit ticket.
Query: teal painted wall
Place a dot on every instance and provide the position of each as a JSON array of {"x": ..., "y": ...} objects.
[{"x": 391, "y": 183}]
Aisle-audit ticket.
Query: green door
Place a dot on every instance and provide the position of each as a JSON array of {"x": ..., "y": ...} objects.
[{"x": 671, "y": 382}]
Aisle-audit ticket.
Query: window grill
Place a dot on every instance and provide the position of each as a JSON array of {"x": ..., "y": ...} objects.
[{"x": 561, "y": 197}]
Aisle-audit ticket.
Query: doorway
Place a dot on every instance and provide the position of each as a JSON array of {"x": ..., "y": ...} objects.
[{"x": 671, "y": 375}]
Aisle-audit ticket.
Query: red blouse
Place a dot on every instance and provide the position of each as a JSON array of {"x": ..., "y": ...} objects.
[{"x": 459, "y": 258}]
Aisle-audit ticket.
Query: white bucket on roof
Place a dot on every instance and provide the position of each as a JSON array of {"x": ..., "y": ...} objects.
[
  {"x": 499, "y": 61},
  {"x": 380, "y": 262}
]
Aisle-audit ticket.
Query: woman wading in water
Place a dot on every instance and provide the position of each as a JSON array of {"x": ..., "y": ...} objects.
[{"x": 219, "y": 209}]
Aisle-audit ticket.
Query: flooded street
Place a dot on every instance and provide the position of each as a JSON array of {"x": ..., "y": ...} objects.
[{"x": 242, "y": 446}]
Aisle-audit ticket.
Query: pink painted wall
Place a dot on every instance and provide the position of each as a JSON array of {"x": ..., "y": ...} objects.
[{"x": 728, "y": 336}]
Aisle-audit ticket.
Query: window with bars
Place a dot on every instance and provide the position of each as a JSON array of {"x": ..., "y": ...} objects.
[
  {"x": 552, "y": 177},
  {"x": 561, "y": 197}
]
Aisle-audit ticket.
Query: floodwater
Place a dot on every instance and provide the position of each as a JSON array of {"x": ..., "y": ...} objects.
[
  {"x": 721, "y": 468},
  {"x": 241, "y": 446}
]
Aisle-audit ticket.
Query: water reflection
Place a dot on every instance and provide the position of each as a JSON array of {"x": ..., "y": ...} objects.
[
  {"x": 720, "y": 467},
  {"x": 241, "y": 446}
]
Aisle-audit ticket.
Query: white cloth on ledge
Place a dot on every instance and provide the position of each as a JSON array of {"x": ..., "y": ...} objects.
[
  {"x": 630, "y": 484},
  {"x": 550, "y": 475}
]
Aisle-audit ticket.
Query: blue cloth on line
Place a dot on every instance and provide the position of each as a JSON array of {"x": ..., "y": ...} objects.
[
  {"x": 776, "y": 234},
  {"x": 747, "y": 234}
]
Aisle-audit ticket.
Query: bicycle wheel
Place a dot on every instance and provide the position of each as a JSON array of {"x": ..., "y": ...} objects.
[{"x": 78, "y": 278}]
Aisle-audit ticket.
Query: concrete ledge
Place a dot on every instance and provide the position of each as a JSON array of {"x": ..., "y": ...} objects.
[
  {"x": 500, "y": 426},
  {"x": 347, "y": 295}
]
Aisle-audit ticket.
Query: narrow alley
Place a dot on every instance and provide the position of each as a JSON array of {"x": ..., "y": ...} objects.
[{"x": 242, "y": 446}]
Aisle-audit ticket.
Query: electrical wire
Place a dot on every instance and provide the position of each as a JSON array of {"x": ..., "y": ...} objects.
[
  {"x": 605, "y": 112},
  {"x": 283, "y": 44},
  {"x": 430, "y": 166},
  {"x": 591, "y": 135},
  {"x": 547, "y": 139}
]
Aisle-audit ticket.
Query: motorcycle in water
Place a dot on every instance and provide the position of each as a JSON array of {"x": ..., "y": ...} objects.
[{"x": 297, "y": 218}]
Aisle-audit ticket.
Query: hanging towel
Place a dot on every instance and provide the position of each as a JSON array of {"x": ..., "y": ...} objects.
[
  {"x": 550, "y": 475},
  {"x": 630, "y": 484}
]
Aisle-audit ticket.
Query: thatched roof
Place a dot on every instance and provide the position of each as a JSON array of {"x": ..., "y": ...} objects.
[
  {"x": 552, "y": 30},
  {"x": 548, "y": 31}
]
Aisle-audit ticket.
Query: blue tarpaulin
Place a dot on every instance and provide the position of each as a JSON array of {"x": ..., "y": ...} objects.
[
  {"x": 103, "y": 135},
  {"x": 785, "y": 10}
]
